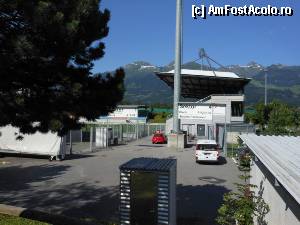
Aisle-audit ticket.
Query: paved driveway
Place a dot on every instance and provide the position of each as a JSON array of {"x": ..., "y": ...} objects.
[{"x": 86, "y": 186}]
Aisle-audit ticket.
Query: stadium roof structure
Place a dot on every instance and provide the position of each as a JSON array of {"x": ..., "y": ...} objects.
[{"x": 202, "y": 83}]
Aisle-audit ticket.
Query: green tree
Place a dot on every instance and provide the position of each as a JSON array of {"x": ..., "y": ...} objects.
[
  {"x": 242, "y": 206},
  {"x": 297, "y": 121},
  {"x": 281, "y": 119},
  {"x": 47, "y": 50},
  {"x": 261, "y": 115},
  {"x": 159, "y": 117},
  {"x": 276, "y": 118}
]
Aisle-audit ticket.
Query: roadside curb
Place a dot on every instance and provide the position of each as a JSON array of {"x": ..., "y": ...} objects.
[
  {"x": 42, "y": 216},
  {"x": 11, "y": 210},
  {"x": 234, "y": 160}
]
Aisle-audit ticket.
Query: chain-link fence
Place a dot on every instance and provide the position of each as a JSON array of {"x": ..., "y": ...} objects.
[
  {"x": 233, "y": 141},
  {"x": 94, "y": 137}
]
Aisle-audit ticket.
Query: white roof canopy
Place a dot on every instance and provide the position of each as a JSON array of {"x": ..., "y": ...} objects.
[
  {"x": 206, "y": 73},
  {"x": 202, "y": 83},
  {"x": 281, "y": 156}
]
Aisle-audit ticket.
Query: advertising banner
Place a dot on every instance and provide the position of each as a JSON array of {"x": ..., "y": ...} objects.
[
  {"x": 121, "y": 113},
  {"x": 203, "y": 112}
]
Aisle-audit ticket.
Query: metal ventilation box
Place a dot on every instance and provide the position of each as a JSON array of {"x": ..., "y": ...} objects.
[{"x": 148, "y": 192}]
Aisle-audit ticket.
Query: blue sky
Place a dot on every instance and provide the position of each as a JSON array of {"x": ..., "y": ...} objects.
[{"x": 145, "y": 30}]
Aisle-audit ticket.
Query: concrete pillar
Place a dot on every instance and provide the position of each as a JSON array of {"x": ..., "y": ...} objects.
[
  {"x": 91, "y": 138},
  {"x": 71, "y": 150}
]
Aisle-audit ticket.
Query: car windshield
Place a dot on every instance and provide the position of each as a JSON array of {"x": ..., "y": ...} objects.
[
  {"x": 207, "y": 147},
  {"x": 158, "y": 135}
]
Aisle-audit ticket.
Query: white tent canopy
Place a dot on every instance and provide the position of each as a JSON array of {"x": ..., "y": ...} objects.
[{"x": 49, "y": 144}]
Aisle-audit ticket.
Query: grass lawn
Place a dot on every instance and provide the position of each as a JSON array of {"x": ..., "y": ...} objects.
[{"x": 13, "y": 220}]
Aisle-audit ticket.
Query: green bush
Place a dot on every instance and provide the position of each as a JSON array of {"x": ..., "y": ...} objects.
[{"x": 240, "y": 207}]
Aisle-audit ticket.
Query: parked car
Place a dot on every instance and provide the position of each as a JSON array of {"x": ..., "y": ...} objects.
[
  {"x": 159, "y": 138},
  {"x": 207, "y": 151}
]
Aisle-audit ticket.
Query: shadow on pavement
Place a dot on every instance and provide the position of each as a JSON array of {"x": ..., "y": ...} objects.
[
  {"x": 198, "y": 205},
  {"x": 83, "y": 200},
  {"x": 45, "y": 157},
  {"x": 78, "y": 156},
  {"x": 190, "y": 146},
  {"x": 222, "y": 161},
  {"x": 88, "y": 201},
  {"x": 19, "y": 155},
  {"x": 18, "y": 178},
  {"x": 152, "y": 146}
]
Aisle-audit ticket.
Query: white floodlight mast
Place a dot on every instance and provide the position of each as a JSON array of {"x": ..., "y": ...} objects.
[
  {"x": 266, "y": 87},
  {"x": 177, "y": 71}
]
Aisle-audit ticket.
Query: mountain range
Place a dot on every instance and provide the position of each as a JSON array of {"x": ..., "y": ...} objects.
[{"x": 144, "y": 87}]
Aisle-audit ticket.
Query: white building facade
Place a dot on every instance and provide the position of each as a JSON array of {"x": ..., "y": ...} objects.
[{"x": 210, "y": 117}]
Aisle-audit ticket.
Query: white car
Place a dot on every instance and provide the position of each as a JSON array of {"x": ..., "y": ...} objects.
[{"x": 207, "y": 151}]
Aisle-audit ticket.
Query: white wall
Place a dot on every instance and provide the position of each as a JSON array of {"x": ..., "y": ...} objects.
[
  {"x": 284, "y": 209},
  {"x": 124, "y": 112},
  {"x": 227, "y": 99}
]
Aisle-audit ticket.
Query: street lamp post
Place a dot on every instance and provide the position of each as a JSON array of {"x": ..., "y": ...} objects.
[
  {"x": 266, "y": 89},
  {"x": 177, "y": 70}
]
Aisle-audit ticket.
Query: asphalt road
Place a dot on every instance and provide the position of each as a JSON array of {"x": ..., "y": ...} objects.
[{"x": 86, "y": 186}]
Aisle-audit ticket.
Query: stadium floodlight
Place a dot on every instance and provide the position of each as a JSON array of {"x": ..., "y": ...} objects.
[
  {"x": 266, "y": 86},
  {"x": 177, "y": 72}
]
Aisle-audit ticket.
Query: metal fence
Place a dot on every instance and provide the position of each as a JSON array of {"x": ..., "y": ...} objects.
[
  {"x": 95, "y": 137},
  {"x": 241, "y": 128},
  {"x": 233, "y": 131}
]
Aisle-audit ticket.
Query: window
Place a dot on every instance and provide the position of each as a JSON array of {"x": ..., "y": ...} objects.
[
  {"x": 237, "y": 108},
  {"x": 207, "y": 147},
  {"x": 200, "y": 130}
]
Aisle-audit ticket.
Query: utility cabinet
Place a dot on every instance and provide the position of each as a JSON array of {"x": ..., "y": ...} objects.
[
  {"x": 104, "y": 137},
  {"x": 148, "y": 192}
]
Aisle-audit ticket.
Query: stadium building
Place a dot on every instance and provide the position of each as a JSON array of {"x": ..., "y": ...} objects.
[{"x": 217, "y": 103}]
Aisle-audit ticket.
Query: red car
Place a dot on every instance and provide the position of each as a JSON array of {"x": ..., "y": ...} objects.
[{"x": 159, "y": 138}]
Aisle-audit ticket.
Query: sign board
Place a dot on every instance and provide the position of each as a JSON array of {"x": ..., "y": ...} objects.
[
  {"x": 203, "y": 112},
  {"x": 121, "y": 113}
]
